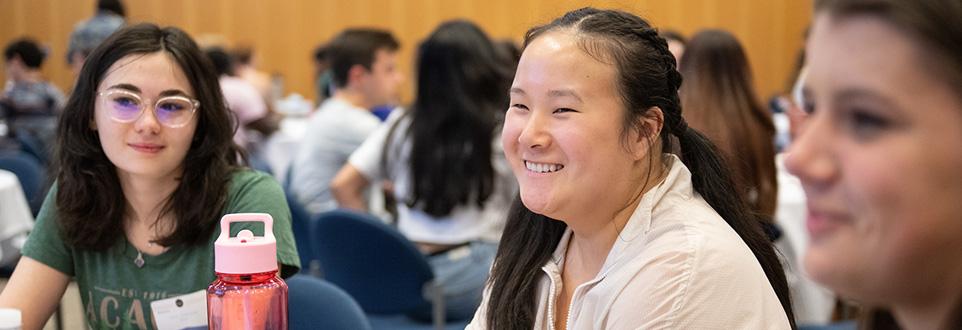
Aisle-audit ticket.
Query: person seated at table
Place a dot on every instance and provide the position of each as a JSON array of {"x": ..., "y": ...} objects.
[
  {"x": 242, "y": 97},
  {"x": 365, "y": 75},
  {"x": 29, "y": 103},
  {"x": 109, "y": 16},
  {"x": 145, "y": 170},
  {"x": 451, "y": 182},
  {"x": 720, "y": 101}
]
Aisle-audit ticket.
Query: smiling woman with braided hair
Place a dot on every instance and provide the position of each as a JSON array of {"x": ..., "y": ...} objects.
[{"x": 627, "y": 218}]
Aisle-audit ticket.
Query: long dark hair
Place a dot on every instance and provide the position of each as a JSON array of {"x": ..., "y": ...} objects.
[
  {"x": 90, "y": 203},
  {"x": 720, "y": 101},
  {"x": 461, "y": 99},
  {"x": 646, "y": 78},
  {"x": 934, "y": 26}
]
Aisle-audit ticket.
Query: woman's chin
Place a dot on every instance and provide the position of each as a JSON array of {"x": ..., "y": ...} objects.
[{"x": 538, "y": 204}]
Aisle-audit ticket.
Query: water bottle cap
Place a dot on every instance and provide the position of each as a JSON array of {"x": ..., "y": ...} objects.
[{"x": 245, "y": 253}]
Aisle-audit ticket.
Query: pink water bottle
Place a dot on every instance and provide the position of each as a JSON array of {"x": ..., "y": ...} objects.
[{"x": 248, "y": 293}]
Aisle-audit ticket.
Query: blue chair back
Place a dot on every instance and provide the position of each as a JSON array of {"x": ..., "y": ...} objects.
[
  {"x": 372, "y": 261},
  {"x": 31, "y": 175},
  {"x": 300, "y": 225},
  {"x": 316, "y": 304},
  {"x": 843, "y": 325}
]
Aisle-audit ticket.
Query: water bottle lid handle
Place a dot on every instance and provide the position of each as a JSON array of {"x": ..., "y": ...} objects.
[
  {"x": 245, "y": 253},
  {"x": 228, "y": 219}
]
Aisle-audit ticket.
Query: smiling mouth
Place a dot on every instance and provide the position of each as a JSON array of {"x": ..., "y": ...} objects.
[
  {"x": 148, "y": 148},
  {"x": 542, "y": 167}
]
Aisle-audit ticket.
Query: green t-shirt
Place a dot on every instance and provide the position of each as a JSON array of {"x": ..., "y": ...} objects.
[{"x": 117, "y": 294}]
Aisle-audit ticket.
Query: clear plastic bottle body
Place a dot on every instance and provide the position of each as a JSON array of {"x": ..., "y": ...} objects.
[{"x": 247, "y": 302}]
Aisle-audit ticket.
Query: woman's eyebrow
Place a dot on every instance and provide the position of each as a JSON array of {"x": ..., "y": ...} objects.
[
  {"x": 128, "y": 87},
  {"x": 174, "y": 92},
  {"x": 552, "y": 93},
  {"x": 135, "y": 89},
  {"x": 564, "y": 93}
]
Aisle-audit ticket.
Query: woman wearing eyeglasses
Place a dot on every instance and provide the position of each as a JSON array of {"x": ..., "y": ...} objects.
[{"x": 145, "y": 169}]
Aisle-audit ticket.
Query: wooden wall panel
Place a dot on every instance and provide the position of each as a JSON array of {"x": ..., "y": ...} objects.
[{"x": 285, "y": 32}]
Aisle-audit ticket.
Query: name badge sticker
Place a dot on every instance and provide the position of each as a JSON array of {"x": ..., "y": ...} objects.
[{"x": 188, "y": 311}]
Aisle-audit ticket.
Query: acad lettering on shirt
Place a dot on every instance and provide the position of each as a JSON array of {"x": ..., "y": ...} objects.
[{"x": 127, "y": 308}]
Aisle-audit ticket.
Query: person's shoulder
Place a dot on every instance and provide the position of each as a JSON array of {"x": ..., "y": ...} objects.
[
  {"x": 81, "y": 26},
  {"x": 107, "y": 19},
  {"x": 685, "y": 233},
  {"x": 701, "y": 227},
  {"x": 329, "y": 111},
  {"x": 247, "y": 185},
  {"x": 244, "y": 175},
  {"x": 695, "y": 237},
  {"x": 51, "y": 89},
  {"x": 359, "y": 122}
]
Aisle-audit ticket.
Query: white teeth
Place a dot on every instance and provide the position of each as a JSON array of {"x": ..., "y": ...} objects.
[{"x": 542, "y": 168}]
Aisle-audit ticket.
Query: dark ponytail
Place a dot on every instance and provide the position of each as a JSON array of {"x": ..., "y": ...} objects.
[
  {"x": 713, "y": 180},
  {"x": 647, "y": 78}
]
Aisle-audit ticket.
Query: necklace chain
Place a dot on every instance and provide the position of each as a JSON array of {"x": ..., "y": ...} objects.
[{"x": 139, "y": 260}]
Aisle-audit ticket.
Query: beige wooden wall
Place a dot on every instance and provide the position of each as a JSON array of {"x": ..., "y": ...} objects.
[{"x": 284, "y": 32}]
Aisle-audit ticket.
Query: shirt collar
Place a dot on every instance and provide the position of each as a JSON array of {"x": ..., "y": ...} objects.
[{"x": 677, "y": 181}]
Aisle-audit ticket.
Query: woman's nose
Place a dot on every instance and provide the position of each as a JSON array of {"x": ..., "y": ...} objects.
[
  {"x": 147, "y": 122},
  {"x": 535, "y": 134},
  {"x": 810, "y": 156}
]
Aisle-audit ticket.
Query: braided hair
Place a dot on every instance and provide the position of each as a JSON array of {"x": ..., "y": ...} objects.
[{"x": 647, "y": 78}]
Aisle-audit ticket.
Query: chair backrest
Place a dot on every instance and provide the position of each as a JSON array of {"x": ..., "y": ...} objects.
[
  {"x": 31, "y": 175},
  {"x": 316, "y": 304},
  {"x": 300, "y": 225},
  {"x": 372, "y": 261}
]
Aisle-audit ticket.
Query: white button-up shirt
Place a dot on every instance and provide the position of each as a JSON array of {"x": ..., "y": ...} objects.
[{"x": 676, "y": 265}]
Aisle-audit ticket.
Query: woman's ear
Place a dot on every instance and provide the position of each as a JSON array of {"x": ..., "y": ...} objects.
[{"x": 650, "y": 125}]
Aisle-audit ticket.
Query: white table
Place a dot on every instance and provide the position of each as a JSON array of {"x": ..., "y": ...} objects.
[{"x": 16, "y": 220}]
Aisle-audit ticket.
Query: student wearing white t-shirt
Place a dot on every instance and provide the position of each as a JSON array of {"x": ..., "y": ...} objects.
[{"x": 450, "y": 179}]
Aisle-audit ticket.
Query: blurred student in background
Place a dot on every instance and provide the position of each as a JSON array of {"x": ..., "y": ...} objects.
[
  {"x": 676, "y": 43},
  {"x": 29, "y": 104},
  {"x": 242, "y": 97},
  {"x": 451, "y": 182},
  {"x": 720, "y": 101},
  {"x": 87, "y": 35},
  {"x": 365, "y": 75}
]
